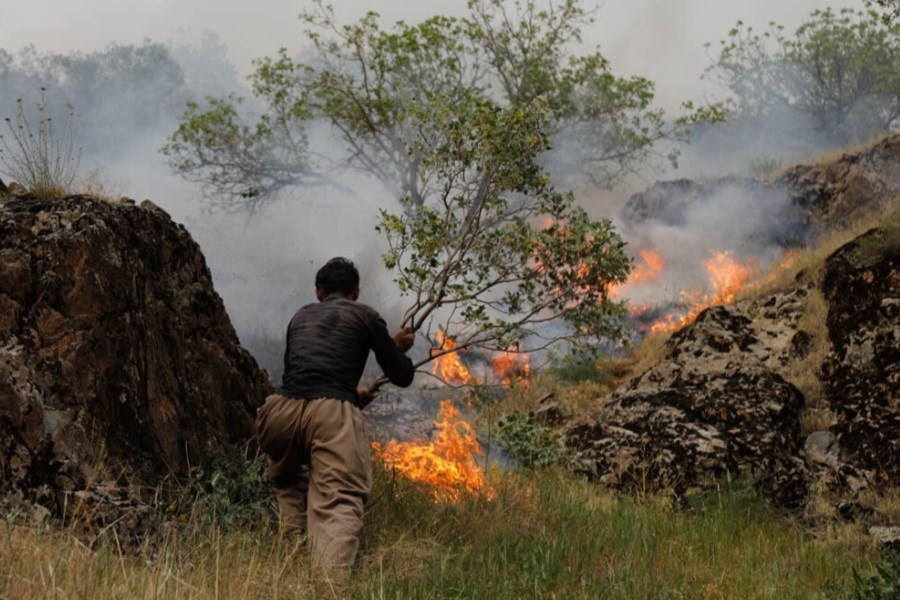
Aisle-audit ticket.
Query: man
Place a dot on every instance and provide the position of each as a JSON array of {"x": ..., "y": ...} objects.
[{"x": 312, "y": 429}]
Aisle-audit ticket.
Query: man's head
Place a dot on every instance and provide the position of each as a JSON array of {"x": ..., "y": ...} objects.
[{"x": 338, "y": 277}]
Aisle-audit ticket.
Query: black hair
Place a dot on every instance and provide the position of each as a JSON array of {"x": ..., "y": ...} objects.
[{"x": 338, "y": 275}]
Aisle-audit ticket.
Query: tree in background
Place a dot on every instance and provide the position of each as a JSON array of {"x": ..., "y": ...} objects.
[
  {"x": 121, "y": 92},
  {"x": 891, "y": 10},
  {"x": 840, "y": 71},
  {"x": 456, "y": 117}
]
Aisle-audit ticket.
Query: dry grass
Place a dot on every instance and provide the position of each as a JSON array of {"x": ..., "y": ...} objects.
[
  {"x": 99, "y": 185},
  {"x": 825, "y": 158},
  {"x": 580, "y": 396},
  {"x": 803, "y": 371},
  {"x": 808, "y": 265}
]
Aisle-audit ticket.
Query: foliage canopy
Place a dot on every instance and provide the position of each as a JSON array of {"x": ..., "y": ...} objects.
[{"x": 839, "y": 70}]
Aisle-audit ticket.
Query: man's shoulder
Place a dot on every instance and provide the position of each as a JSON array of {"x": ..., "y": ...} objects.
[
  {"x": 364, "y": 310},
  {"x": 304, "y": 310}
]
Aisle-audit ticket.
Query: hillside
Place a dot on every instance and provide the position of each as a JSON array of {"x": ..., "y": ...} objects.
[{"x": 750, "y": 452}]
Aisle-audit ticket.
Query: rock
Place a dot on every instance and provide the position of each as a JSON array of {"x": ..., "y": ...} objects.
[
  {"x": 818, "y": 196},
  {"x": 149, "y": 205},
  {"x": 4, "y": 191},
  {"x": 549, "y": 414},
  {"x": 853, "y": 510},
  {"x": 822, "y": 447},
  {"x": 107, "y": 510},
  {"x": 862, "y": 373},
  {"x": 838, "y": 193},
  {"x": 888, "y": 537},
  {"x": 712, "y": 405},
  {"x": 116, "y": 355}
]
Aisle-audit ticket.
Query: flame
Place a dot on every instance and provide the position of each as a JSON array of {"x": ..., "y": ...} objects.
[
  {"x": 647, "y": 269},
  {"x": 787, "y": 261},
  {"x": 448, "y": 366},
  {"x": 727, "y": 276},
  {"x": 510, "y": 367},
  {"x": 447, "y": 464}
]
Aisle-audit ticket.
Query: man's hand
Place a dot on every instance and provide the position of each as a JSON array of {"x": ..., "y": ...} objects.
[
  {"x": 405, "y": 338},
  {"x": 365, "y": 397}
]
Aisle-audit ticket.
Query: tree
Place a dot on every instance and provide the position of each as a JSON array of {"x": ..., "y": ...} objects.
[
  {"x": 497, "y": 256},
  {"x": 891, "y": 10},
  {"x": 840, "y": 70},
  {"x": 456, "y": 117},
  {"x": 368, "y": 83}
]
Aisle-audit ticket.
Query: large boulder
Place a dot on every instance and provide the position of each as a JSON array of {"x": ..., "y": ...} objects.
[
  {"x": 811, "y": 197},
  {"x": 118, "y": 363},
  {"x": 835, "y": 193},
  {"x": 862, "y": 373},
  {"x": 713, "y": 404}
]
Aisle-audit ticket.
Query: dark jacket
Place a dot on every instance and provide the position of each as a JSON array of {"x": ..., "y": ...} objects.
[{"x": 328, "y": 344}]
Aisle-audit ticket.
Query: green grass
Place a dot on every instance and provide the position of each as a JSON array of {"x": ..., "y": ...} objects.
[{"x": 545, "y": 534}]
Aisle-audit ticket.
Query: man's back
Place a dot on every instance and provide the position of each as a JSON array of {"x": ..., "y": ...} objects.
[{"x": 328, "y": 344}]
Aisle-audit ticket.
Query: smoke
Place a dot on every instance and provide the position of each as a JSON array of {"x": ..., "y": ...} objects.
[
  {"x": 753, "y": 223},
  {"x": 129, "y": 96}
]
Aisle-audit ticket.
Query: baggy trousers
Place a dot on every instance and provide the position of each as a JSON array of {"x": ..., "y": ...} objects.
[{"x": 320, "y": 467}]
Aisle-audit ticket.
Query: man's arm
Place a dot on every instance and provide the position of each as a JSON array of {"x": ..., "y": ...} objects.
[{"x": 390, "y": 352}]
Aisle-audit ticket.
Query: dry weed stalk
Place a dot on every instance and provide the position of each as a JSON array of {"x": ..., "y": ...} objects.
[{"x": 34, "y": 157}]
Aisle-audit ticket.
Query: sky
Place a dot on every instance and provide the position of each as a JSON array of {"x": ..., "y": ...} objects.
[{"x": 659, "y": 39}]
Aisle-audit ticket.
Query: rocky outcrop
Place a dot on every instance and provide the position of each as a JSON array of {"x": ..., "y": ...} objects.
[
  {"x": 713, "y": 404},
  {"x": 716, "y": 401},
  {"x": 837, "y": 192},
  {"x": 817, "y": 196},
  {"x": 862, "y": 373},
  {"x": 118, "y": 363}
]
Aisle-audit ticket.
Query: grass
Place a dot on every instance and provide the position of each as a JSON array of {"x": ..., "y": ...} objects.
[
  {"x": 43, "y": 160},
  {"x": 545, "y": 535},
  {"x": 822, "y": 158},
  {"x": 808, "y": 265}
]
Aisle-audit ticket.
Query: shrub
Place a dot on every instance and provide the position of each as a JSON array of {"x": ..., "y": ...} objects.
[
  {"x": 35, "y": 157},
  {"x": 230, "y": 493},
  {"x": 531, "y": 443},
  {"x": 576, "y": 369}
]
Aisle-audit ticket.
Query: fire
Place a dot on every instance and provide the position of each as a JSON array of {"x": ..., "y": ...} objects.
[
  {"x": 448, "y": 366},
  {"x": 727, "y": 277},
  {"x": 446, "y": 464},
  {"x": 510, "y": 367},
  {"x": 647, "y": 269}
]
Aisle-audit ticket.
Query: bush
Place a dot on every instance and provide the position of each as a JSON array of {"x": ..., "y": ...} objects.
[
  {"x": 531, "y": 443},
  {"x": 230, "y": 494},
  {"x": 576, "y": 369},
  {"x": 34, "y": 157}
]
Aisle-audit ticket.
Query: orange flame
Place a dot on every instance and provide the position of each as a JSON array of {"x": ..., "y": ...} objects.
[
  {"x": 647, "y": 269},
  {"x": 447, "y": 464},
  {"x": 448, "y": 366},
  {"x": 510, "y": 367},
  {"x": 727, "y": 277}
]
